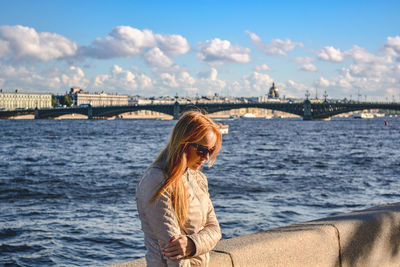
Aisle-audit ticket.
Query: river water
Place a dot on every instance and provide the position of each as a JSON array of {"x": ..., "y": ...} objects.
[{"x": 67, "y": 187}]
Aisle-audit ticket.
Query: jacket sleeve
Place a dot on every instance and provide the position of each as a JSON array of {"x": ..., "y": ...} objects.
[
  {"x": 206, "y": 239},
  {"x": 161, "y": 219}
]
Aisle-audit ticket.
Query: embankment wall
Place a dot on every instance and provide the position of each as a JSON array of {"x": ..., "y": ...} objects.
[{"x": 364, "y": 238}]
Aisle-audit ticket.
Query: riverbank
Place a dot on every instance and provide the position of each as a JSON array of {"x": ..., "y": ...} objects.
[{"x": 365, "y": 238}]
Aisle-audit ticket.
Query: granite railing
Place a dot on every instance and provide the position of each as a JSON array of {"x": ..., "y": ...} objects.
[{"x": 364, "y": 238}]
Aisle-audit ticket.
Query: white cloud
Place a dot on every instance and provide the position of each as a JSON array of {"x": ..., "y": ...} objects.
[
  {"x": 366, "y": 81},
  {"x": 276, "y": 47},
  {"x": 392, "y": 46},
  {"x": 126, "y": 42},
  {"x": 168, "y": 80},
  {"x": 155, "y": 57},
  {"x": 181, "y": 80},
  {"x": 218, "y": 52},
  {"x": 263, "y": 67},
  {"x": 20, "y": 43},
  {"x": 396, "y": 69},
  {"x": 257, "y": 83},
  {"x": 393, "y": 92},
  {"x": 329, "y": 53},
  {"x": 369, "y": 70},
  {"x": 50, "y": 80},
  {"x": 294, "y": 89},
  {"x": 173, "y": 44},
  {"x": 144, "y": 81},
  {"x": 210, "y": 74},
  {"x": 74, "y": 77},
  {"x": 123, "y": 41},
  {"x": 367, "y": 64},
  {"x": 322, "y": 82},
  {"x": 361, "y": 55},
  {"x": 185, "y": 79},
  {"x": 306, "y": 64},
  {"x": 121, "y": 80},
  {"x": 13, "y": 72},
  {"x": 208, "y": 82},
  {"x": 4, "y": 48}
]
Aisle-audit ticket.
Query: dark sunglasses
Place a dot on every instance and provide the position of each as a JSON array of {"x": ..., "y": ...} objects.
[{"x": 202, "y": 151}]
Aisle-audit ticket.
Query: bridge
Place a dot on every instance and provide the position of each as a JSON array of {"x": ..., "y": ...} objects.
[{"x": 306, "y": 109}]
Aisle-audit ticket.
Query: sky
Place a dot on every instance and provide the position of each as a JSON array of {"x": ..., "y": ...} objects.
[{"x": 344, "y": 49}]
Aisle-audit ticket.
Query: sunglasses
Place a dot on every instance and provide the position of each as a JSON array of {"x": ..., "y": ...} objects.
[{"x": 202, "y": 151}]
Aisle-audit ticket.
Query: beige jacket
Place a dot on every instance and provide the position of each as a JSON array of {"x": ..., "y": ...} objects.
[{"x": 159, "y": 222}]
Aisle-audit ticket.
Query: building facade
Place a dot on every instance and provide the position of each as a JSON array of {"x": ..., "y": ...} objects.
[
  {"x": 16, "y": 100},
  {"x": 80, "y": 97}
]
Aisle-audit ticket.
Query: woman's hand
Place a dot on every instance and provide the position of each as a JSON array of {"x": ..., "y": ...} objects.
[{"x": 179, "y": 247}]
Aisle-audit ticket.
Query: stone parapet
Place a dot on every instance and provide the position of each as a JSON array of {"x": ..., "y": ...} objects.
[{"x": 364, "y": 238}]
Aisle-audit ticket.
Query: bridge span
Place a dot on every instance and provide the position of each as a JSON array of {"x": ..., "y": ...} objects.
[{"x": 307, "y": 110}]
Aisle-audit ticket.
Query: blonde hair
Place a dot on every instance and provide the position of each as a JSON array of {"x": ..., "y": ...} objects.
[{"x": 192, "y": 127}]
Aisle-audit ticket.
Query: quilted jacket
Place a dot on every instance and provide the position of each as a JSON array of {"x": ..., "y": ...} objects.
[{"x": 159, "y": 222}]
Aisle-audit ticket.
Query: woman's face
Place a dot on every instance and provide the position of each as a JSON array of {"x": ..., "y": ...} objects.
[{"x": 200, "y": 152}]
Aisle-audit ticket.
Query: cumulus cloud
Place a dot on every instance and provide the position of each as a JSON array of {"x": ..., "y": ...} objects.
[
  {"x": 210, "y": 74},
  {"x": 4, "y": 48},
  {"x": 124, "y": 80},
  {"x": 322, "y": 82},
  {"x": 155, "y": 57},
  {"x": 396, "y": 69},
  {"x": 208, "y": 82},
  {"x": 295, "y": 89},
  {"x": 368, "y": 72},
  {"x": 14, "y": 72},
  {"x": 361, "y": 55},
  {"x": 168, "y": 80},
  {"x": 123, "y": 41},
  {"x": 392, "y": 46},
  {"x": 258, "y": 83},
  {"x": 306, "y": 64},
  {"x": 144, "y": 81},
  {"x": 74, "y": 77},
  {"x": 182, "y": 80},
  {"x": 276, "y": 47},
  {"x": 173, "y": 44},
  {"x": 369, "y": 81},
  {"x": 186, "y": 79},
  {"x": 218, "y": 52},
  {"x": 367, "y": 64},
  {"x": 329, "y": 53},
  {"x": 20, "y": 43},
  {"x": 49, "y": 80},
  {"x": 126, "y": 42},
  {"x": 263, "y": 67}
]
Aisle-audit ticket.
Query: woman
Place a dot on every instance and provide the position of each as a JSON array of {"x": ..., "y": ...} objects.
[{"x": 177, "y": 216}]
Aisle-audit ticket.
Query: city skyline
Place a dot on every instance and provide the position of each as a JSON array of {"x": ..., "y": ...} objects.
[{"x": 236, "y": 48}]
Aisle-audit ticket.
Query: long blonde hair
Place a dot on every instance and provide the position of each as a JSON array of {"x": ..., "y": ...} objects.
[{"x": 192, "y": 127}]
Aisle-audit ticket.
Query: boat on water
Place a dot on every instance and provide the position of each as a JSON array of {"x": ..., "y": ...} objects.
[
  {"x": 224, "y": 128},
  {"x": 379, "y": 115},
  {"x": 233, "y": 117},
  {"x": 249, "y": 116},
  {"x": 363, "y": 116}
]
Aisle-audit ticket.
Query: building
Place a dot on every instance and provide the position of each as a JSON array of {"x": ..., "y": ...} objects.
[
  {"x": 273, "y": 92},
  {"x": 80, "y": 97},
  {"x": 16, "y": 100}
]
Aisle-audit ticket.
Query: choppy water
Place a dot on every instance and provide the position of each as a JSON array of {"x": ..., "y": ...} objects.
[{"x": 67, "y": 186}]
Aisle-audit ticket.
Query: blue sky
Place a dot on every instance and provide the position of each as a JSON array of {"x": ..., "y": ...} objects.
[{"x": 202, "y": 47}]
